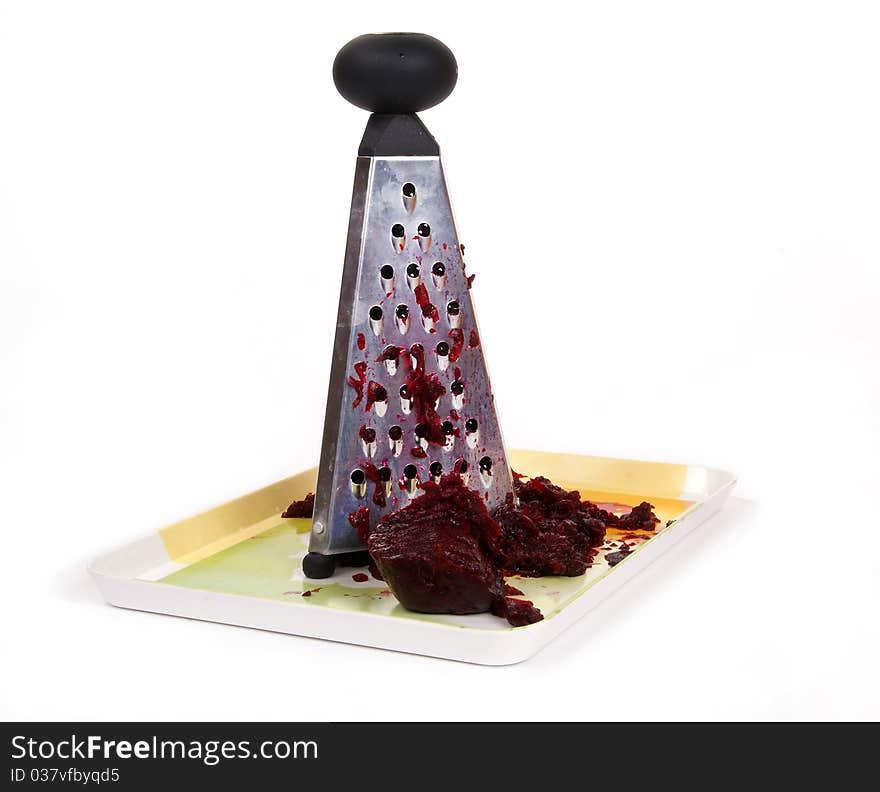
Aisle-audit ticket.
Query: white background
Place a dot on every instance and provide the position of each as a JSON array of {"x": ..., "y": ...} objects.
[{"x": 673, "y": 205}]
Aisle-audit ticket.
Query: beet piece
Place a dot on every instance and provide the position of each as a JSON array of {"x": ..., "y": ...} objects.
[
  {"x": 373, "y": 475},
  {"x": 439, "y": 554},
  {"x": 301, "y": 508},
  {"x": 444, "y": 553},
  {"x": 518, "y": 613},
  {"x": 358, "y": 383},
  {"x": 511, "y": 591},
  {"x": 616, "y": 557},
  {"x": 421, "y": 294},
  {"x": 390, "y": 353},
  {"x": 424, "y": 390},
  {"x": 375, "y": 392},
  {"x": 360, "y": 521},
  {"x": 360, "y": 577},
  {"x": 456, "y": 335},
  {"x": 641, "y": 518}
]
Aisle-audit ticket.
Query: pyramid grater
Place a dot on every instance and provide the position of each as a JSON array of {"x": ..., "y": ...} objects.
[{"x": 409, "y": 396}]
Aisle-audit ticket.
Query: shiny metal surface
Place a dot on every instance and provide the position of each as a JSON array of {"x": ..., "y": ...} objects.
[{"x": 380, "y": 207}]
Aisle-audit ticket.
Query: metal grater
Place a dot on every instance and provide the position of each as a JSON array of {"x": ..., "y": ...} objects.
[{"x": 405, "y": 314}]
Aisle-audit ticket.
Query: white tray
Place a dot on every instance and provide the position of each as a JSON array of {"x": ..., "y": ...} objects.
[{"x": 239, "y": 564}]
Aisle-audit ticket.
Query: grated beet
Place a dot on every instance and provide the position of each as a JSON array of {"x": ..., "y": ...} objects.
[
  {"x": 641, "y": 518},
  {"x": 375, "y": 392},
  {"x": 360, "y": 521},
  {"x": 444, "y": 552},
  {"x": 551, "y": 532},
  {"x": 456, "y": 335},
  {"x": 421, "y": 295},
  {"x": 616, "y": 557},
  {"x": 358, "y": 383},
  {"x": 301, "y": 508},
  {"x": 518, "y": 612},
  {"x": 424, "y": 390},
  {"x": 390, "y": 353}
]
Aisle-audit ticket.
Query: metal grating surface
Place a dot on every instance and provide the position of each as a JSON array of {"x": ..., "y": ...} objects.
[{"x": 352, "y": 471}]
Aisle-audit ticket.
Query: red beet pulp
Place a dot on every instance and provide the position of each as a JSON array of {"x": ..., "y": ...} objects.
[
  {"x": 553, "y": 532},
  {"x": 440, "y": 554},
  {"x": 444, "y": 553},
  {"x": 301, "y": 508},
  {"x": 424, "y": 389}
]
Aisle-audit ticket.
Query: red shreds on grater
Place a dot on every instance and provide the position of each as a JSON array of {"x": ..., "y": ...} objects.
[{"x": 409, "y": 396}]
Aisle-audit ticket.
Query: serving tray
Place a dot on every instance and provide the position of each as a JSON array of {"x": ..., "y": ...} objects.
[{"x": 240, "y": 564}]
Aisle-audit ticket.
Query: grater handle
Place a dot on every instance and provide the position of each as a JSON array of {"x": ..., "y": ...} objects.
[{"x": 395, "y": 73}]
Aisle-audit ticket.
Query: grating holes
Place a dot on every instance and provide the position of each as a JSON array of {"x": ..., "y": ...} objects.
[
  {"x": 390, "y": 356},
  {"x": 410, "y": 478},
  {"x": 429, "y": 312},
  {"x": 486, "y": 471},
  {"x": 442, "y": 350},
  {"x": 472, "y": 432},
  {"x": 368, "y": 441},
  {"x": 385, "y": 479},
  {"x": 409, "y": 197},
  {"x": 358, "y": 483},
  {"x": 449, "y": 432},
  {"x": 453, "y": 314},
  {"x": 386, "y": 276},
  {"x": 401, "y": 314},
  {"x": 380, "y": 400},
  {"x": 457, "y": 398},
  {"x": 377, "y": 321},
  {"x": 413, "y": 275},
  {"x": 395, "y": 440},
  {"x": 405, "y": 400},
  {"x": 398, "y": 237},
  {"x": 424, "y": 237}
]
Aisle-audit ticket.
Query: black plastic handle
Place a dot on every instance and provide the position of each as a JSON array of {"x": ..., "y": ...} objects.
[{"x": 395, "y": 75}]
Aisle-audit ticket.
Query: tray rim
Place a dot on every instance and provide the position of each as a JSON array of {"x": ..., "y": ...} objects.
[{"x": 114, "y": 572}]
